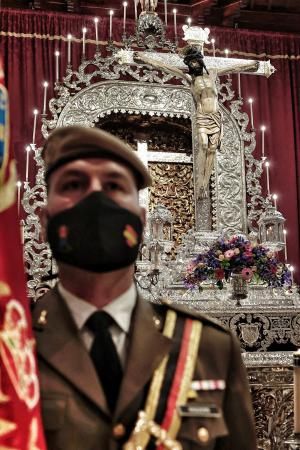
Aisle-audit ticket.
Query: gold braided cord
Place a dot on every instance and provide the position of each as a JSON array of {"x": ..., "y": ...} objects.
[
  {"x": 192, "y": 354},
  {"x": 119, "y": 44},
  {"x": 142, "y": 431},
  {"x": 159, "y": 374}
]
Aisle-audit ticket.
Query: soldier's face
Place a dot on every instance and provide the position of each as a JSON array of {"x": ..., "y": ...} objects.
[{"x": 75, "y": 180}]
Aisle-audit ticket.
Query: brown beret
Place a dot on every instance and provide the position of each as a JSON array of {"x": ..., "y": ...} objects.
[{"x": 66, "y": 144}]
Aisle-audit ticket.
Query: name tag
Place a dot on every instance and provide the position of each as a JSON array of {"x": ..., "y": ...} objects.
[{"x": 199, "y": 410}]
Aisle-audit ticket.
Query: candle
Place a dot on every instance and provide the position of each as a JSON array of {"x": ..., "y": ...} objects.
[
  {"x": 226, "y": 52},
  {"x": 250, "y": 100},
  {"x": 84, "y": 30},
  {"x": 110, "y": 24},
  {"x": 124, "y": 16},
  {"x": 285, "y": 246},
  {"x": 175, "y": 22},
  {"x": 96, "y": 20},
  {"x": 263, "y": 129},
  {"x": 239, "y": 85},
  {"x": 22, "y": 231},
  {"x": 213, "y": 47},
  {"x": 69, "y": 49},
  {"x": 135, "y": 9},
  {"x": 45, "y": 84},
  {"x": 292, "y": 276},
  {"x": 166, "y": 12},
  {"x": 275, "y": 196},
  {"x": 35, "y": 114},
  {"x": 27, "y": 162},
  {"x": 267, "y": 164},
  {"x": 296, "y": 361},
  {"x": 189, "y": 21},
  {"x": 19, "y": 184},
  {"x": 56, "y": 66}
]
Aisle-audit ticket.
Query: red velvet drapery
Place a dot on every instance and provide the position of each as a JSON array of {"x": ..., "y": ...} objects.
[{"x": 28, "y": 40}]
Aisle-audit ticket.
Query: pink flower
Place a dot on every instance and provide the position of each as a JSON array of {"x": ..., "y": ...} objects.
[
  {"x": 229, "y": 254},
  {"x": 247, "y": 274},
  {"x": 190, "y": 267}
]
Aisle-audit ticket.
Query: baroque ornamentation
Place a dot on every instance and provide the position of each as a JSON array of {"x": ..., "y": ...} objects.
[
  {"x": 174, "y": 189},
  {"x": 272, "y": 394}
]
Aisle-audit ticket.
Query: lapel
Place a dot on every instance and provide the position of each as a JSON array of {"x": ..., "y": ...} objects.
[
  {"x": 59, "y": 344},
  {"x": 147, "y": 348}
]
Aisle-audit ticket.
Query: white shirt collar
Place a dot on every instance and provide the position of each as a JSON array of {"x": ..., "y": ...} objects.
[{"x": 120, "y": 308}]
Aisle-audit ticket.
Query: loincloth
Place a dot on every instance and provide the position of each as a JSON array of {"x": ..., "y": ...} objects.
[{"x": 212, "y": 125}]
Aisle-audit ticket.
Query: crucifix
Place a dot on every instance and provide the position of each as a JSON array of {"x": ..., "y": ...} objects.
[{"x": 202, "y": 78}]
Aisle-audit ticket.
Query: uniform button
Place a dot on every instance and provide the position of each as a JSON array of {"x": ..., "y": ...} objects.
[
  {"x": 203, "y": 435},
  {"x": 119, "y": 430}
]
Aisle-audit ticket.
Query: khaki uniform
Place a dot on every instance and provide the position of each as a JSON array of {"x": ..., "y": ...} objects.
[{"x": 75, "y": 414}]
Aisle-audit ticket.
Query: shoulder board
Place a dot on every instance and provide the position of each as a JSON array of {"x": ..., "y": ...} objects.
[{"x": 210, "y": 321}]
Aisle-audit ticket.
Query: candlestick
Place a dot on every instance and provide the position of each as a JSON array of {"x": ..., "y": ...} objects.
[
  {"x": 275, "y": 197},
  {"x": 263, "y": 129},
  {"x": 69, "y": 49},
  {"x": 135, "y": 9},
  {"x": 35, "y": 114},
  {"x": 267, "y": 164},
  {"x": 56, "y": 66},
  {"x": 250, "y": 101},
  {"x": 226, "y": 51},
  {"x": 45, "y": 84},
  {"x": 296, "y": 361},
  {"x": 124, "y": 16},
  {"x": 96, "y": 20},
  {"x": 166, "y": 12},
  {"x": 285, "y": 246},
  {"x": 19, "y": 184},
  {"x": 27, "y": 162},
  {"x": 22, "y": 231},
  {"x": 84, "y": 30},
  {"x": 239, "y": 85},
  {"x": 189, "y": 21},
  {"x": 213, "y": 47},
  {"x": 292, "y": 280},
  {"x": 110, "y": 24},
  {"x": 175, "y": 22}
]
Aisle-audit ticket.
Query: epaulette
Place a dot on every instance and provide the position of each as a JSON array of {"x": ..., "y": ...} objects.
[{"x": 210, "y": 321}]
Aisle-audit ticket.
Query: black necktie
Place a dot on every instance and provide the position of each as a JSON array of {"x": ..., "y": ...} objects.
[{"x": 105, "y": 356}]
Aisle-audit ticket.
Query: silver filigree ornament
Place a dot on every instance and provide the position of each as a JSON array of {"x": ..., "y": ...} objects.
[{"x": 98, "y": 88}]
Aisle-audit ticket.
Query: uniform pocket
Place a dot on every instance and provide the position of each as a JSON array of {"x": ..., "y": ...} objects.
[
  {"x": 53, "y": 411},
  {"x": 201, "y": 432}
]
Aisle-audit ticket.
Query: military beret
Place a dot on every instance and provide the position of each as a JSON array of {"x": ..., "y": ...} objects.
[{"x": 66, "y": 144}]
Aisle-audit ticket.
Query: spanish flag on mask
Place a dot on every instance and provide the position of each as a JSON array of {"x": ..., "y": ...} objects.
[{"x": 20, "y": 422}]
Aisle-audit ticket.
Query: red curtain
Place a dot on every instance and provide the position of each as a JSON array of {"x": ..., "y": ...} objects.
[{"x": 28, "y": 40}]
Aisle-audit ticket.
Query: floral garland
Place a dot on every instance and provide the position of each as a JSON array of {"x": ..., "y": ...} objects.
[{"x": 237, "y": 255}]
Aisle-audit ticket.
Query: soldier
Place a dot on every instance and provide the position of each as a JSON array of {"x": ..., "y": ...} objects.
[{"x": 116, "y": 371}]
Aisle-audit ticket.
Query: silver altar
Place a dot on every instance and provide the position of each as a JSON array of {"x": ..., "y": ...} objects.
[{"x": 267, "y": 323}]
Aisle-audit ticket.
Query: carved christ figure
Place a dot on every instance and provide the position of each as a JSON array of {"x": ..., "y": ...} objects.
[{"x": 209, "y": 121}]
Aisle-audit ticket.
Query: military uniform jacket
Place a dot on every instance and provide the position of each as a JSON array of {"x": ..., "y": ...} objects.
[{"x": 74, "y": 410}]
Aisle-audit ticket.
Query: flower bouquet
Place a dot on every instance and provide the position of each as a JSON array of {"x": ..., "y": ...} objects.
[{"x": 237, "y": 255}]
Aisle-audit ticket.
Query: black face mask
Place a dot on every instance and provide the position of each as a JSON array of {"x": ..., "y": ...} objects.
[{"x": 96, "y": 235}]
